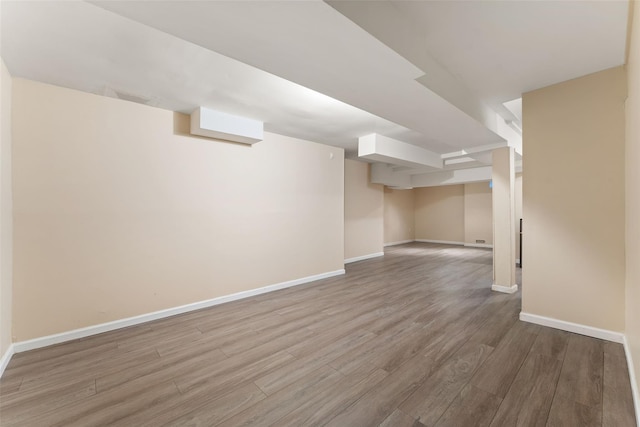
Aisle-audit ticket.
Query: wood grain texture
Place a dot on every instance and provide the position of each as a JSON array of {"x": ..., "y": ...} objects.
[
  {"x": 472, "y": 407},
  {"x": 528, "y": 401},
  {"x": 433, "y": 397},
  {"x": 617, "y": 403},
  {"x": 506, "y": 360},
  {"x": 582, "y": 371},
  {"x": 415, "y": 338},
  {"x": 400, "y": 419}
]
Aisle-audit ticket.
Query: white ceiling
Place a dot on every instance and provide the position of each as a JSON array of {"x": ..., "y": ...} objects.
[{"x": 429, "y": 73}]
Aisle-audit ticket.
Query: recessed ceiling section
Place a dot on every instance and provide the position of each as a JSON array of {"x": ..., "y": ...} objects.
[
  {"x": 483, "y": 53},
  {"x": 84, "y": 47},
  {"x": 387, "y": 150},
  {"x": 526, "y": 45},
  {"x": 312, "y": 44},
  {"x": 425, "y": 78}
]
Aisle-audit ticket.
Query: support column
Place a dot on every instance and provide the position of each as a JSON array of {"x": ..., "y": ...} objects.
[{"x": 504, "y": 237}]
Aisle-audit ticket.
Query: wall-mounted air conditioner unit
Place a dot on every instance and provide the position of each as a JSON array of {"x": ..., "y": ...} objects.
[{"x": 218, "y": 125}]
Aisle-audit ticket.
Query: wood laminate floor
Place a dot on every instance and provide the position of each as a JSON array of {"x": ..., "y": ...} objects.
[{"x": 415, "y": 338}]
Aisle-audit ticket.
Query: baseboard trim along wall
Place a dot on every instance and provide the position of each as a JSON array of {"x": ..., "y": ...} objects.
[
  {"x": 401, "y": 242},
  {"x": 363, "y": 257},
  {"x": 576, "y": 328},
  {"x": 632, "y": 377},
  {"x": 6, "y": 357},
  {"x": 505, "y": 289},
  {"x": 21, "y": 346},
  {"x": 442, "y": 242},
  {"x": 478, "y": 245}
]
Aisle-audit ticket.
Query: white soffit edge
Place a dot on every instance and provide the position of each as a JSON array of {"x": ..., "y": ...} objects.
[
  {"x": 219, "y": 125},
  {"x": 384, "y": 149},
  {"x": 458, "y": 176}
]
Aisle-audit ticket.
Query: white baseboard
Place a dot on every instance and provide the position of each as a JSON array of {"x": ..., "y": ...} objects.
[
  {"x": 442, "y": 242},
  {"x": 21, "y": 346},
  {"x": 6, "y": 357},
  {"x": 505, "y": 289},
  {"x": 633, "y": 379},
  {"x": 363, "y": 257},
  {"x": 576, "y": 328},
  {"x": 401, "y": 242},
  {"x": 478, "y": 245}
]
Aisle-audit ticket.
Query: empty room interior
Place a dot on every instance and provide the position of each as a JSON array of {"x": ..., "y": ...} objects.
[{"x": 341, "y": 213}]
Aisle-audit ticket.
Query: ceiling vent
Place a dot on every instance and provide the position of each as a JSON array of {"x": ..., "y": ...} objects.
[{"x": 218, "y": 125}]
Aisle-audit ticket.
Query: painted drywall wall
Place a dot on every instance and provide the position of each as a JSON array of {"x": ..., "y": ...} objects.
[
  {"x": 118, "y": 212},
  {"x": 518, "y": 211},
  {"x": 363, "y": 212},
  {"x": 503, "y": 197},
  {"x": 6, "y": 212},
  {"x": 632, "y": 169},
  {"x": 460, "y": 213},
  {"x": 478, "y": 211},
  {"x": 398, "y": 216},
  {"x": 440, "y": 213},
  {"x": 573, "y": 201}
]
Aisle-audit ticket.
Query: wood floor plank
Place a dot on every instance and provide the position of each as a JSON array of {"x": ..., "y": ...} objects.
[
  {"x": 220, "y": 380},
  {"x": 10, "y": 385},
  {"x": 617, "y": 401},
  {"x": 400, "y": 419},
  {"x": 88, "y": 370},
  {"x": 551, "y": 342},
  {"x": 19, "y": 409},
  {"x": 60, "y": 358},
  {"x": 287, "y": 333},
  {"x": 369, "y": 350},
  {"x": 582, "y": 371},
  {"x": 205, "y": 413},
  {"x": 472, "y": 407},
  {"x": 375, "y": 406},
  {"x": 111, "y": 406},
  {"x": 528, "y": 402},
  {"x": 503, "y": 364},
  {"x": 326, "y": 405},
  {"x": 270, "y": 410},
  {"x": 497, "y": 318},
  {"x": 295, "y": 370},
  {"x": 161, "y": 369},
  {"x": 566, "y": 412},
  {"x": 415, "y": 338},
  {"x": 433, "y": 397},
  {"x": 231, "y": 371}
]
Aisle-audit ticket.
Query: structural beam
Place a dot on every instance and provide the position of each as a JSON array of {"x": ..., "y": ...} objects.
[{"x": 388, "y": 150}]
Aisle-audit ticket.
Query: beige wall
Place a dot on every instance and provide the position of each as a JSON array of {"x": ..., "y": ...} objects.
[
  {"x": 117, "y": 213},
  {"x": 503, "y": 197},
  {"x": 363, "y": 212},
  {"x": 573, "y": 197},
  {"x": 518, "y": 211},
  {"x": 478, "y": 213},
  {"x": 440, "y": 213},
  {"x": 460, "y": 213},
  {"x": 633, "y": 197},
  {"x": 6, "y": 215},
  {"x": 398, "y": 215}
]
